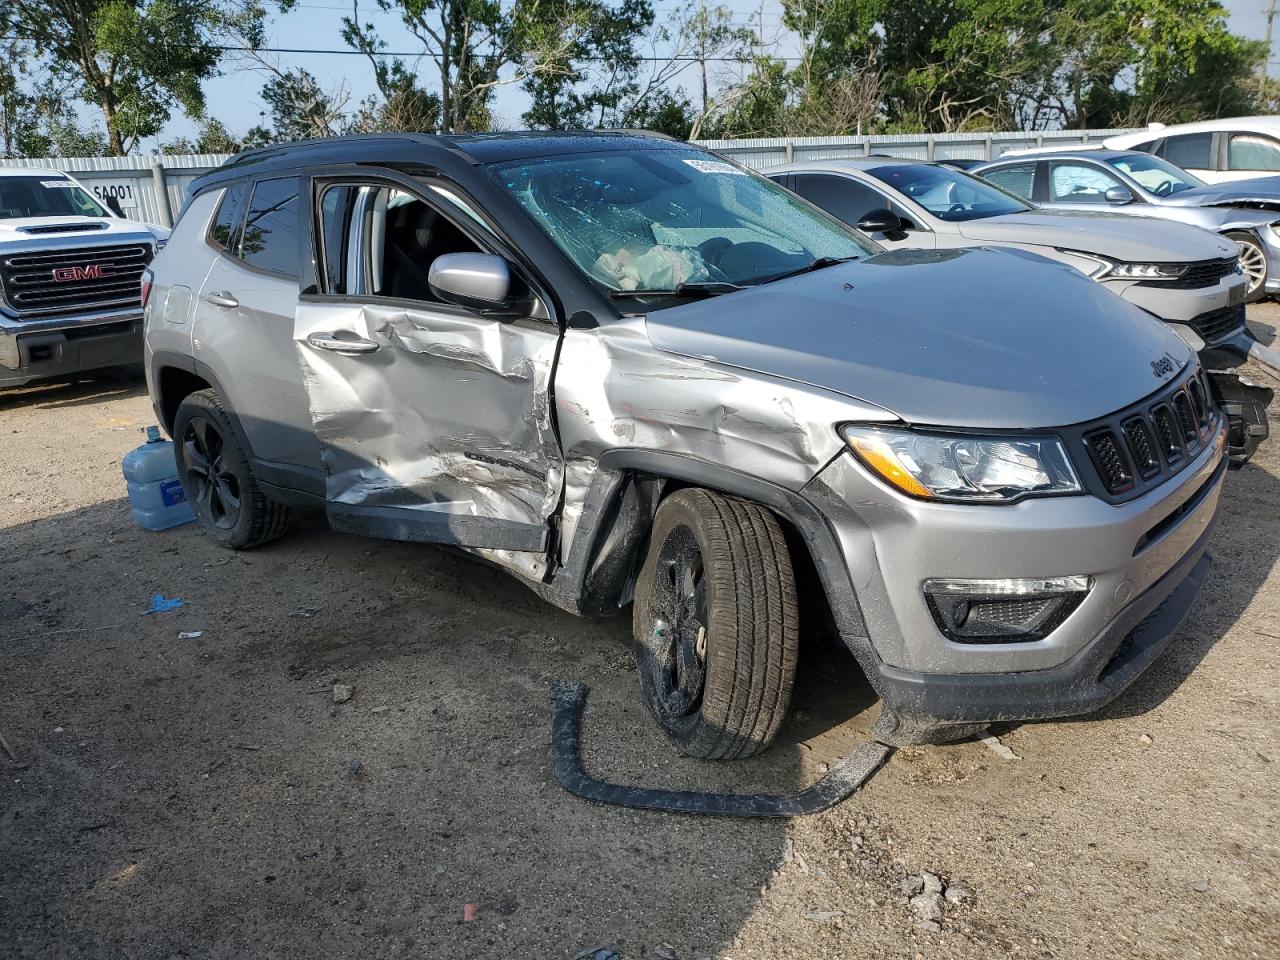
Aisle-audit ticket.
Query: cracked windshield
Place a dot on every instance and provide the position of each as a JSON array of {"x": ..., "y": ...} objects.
[{"x": 675, "y": 222}]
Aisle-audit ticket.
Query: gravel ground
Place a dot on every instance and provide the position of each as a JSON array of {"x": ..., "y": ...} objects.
[{"x": 205, "y": 796}]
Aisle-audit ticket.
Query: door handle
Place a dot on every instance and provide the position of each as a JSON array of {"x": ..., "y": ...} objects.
[
  {"x": 349, "y": 344},
  {"x": 222, "y": 300}
]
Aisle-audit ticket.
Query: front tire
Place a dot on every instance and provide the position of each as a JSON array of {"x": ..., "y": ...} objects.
[
  {"x": 1253, "y": 263},
  {"x": 217, "y": 477},
  {"x": 716, "y": 625}
]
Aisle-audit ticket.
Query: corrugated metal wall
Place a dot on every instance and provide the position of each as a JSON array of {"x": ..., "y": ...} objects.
[{"x": 177, "y": 172}]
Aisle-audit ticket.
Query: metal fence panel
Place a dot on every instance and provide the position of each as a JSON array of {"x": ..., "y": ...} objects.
[{"x": 137, "y": 177}]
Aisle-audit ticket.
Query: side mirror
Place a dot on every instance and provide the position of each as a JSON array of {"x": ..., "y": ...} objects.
[
  {"x": 1118, "y": 195},
  {"x": 478, "y": 280},
  {"x": 880, "y": 221}
]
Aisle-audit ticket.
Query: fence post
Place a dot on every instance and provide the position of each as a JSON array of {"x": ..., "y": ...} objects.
[
  {"x": 1039, "y": 139},
  {"x": 791, "y": 152},
  {"x": 928, "y": 149},
  {"x": 986, "y": 147},
  {"x": 866, "y": 146},
  {"x": 163, "y": 210}
]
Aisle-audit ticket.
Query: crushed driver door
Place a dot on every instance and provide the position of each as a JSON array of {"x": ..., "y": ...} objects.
[{"x": 434, "y": 419}]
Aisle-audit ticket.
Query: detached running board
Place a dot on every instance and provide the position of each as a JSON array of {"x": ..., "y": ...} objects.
[{"x": 570, "y": 700}]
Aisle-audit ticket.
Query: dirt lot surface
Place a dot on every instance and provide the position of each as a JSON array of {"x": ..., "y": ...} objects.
[{"x": 205, "y": 796}]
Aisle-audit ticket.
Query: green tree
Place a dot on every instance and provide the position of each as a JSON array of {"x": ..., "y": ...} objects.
[
  {"x": 477, "y": 46},
  {"x": 136, "y": 60},
  {"x": 596, "y": 73}
]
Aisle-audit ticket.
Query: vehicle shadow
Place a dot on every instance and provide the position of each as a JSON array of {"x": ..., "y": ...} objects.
[
  {"x": 80, "y": 389},
  {"x": 206, "y": 794}
]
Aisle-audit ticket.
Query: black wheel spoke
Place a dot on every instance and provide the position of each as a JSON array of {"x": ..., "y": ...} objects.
[
  {"x": 197, "y": 463},
  {"x": 228, "y": 491},
  {"x": 216, "y": 485},
  {"x": 676, "y": 644}
]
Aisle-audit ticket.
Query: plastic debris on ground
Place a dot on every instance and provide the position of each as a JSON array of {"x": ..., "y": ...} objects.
[{"x": 162, "y": 604}]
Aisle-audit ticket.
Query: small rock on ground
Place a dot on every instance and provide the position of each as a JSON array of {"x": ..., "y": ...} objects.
[{"x": 342, "y": 692}]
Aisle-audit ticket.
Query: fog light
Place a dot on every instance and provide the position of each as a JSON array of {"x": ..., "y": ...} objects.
[{"x": 1003, "y": 611}]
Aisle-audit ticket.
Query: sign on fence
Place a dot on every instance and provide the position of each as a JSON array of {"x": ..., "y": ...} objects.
[{"x": 121, "y": 191}]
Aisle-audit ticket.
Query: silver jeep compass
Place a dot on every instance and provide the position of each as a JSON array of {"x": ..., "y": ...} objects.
[{"x": 631, "y": 372}]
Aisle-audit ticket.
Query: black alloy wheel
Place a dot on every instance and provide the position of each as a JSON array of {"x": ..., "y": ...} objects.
[{"x": 216, "y": 487}]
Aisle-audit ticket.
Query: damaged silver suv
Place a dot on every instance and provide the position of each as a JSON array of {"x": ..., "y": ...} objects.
[{"x": 625, "y": 369}]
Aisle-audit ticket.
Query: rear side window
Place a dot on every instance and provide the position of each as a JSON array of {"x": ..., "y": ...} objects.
[
  {"x": 1188, "y": 150},
  {"x": 1250, "y": 151},
  {"x": 270, "y": 238},
  {"x": 225, "y": 231},
  {"x": 1017, "y": 178}
]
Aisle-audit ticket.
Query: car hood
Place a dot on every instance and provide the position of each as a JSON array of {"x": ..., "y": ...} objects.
[
  {"x": 44, "y": 230},
  {"x": 1262, "y": 193},
  {"x": 964, "y": 338},
  {"x": 1113, "y": 235}
]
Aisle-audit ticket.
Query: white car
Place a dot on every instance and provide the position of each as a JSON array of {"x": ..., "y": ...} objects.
[
  {"x": 70, "y": 278},
  {"x": 1216, "y": 151}
]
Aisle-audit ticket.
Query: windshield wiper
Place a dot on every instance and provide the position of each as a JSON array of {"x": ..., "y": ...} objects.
[
  {"x": 710, "y": 288},
  {"x": 818, "y": 263}
]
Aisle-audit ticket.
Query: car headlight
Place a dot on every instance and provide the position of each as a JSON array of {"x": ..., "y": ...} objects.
[
  {"x": 964, "y": 469},
  {"x": 1147, "y": 271}
]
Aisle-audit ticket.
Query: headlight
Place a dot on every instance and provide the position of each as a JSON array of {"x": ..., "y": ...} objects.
[
  {"x": 961, "y": 468},
  {"x": 1147, "y": 271}
]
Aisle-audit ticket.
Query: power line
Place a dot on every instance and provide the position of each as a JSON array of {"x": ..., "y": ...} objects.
[{"x": 432, "y": 53}]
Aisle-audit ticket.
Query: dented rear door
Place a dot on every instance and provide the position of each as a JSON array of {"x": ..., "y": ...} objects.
[{"x": 441, "y": 429}]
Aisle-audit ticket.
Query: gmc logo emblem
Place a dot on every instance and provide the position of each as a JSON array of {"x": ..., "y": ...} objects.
[{"x": 93, "y": 271}]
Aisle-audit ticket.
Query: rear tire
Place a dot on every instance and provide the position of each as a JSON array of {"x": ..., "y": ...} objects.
[
  {"x": 217, "y": 476},
  {"x": 716, "y": 625},
  {"x": 1254, "y": 263}
]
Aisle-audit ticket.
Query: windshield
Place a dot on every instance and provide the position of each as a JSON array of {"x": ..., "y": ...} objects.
[
  {"x": 947, "y": 193},
  {"x": 653, "y": 221},
  {"x": 1155, "y": 174},
  {"x": 45, "y": 197}
]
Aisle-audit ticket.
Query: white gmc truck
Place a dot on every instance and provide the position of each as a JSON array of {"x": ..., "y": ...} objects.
[{"x": 70, "y": 278}]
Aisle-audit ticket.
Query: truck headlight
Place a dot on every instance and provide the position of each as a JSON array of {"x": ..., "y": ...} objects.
[{"x": 964, "y": 469}]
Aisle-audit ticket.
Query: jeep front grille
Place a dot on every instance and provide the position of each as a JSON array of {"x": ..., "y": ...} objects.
[
  {"x": 1141, "y": 447},
  {"x": 45, "y": 283}
]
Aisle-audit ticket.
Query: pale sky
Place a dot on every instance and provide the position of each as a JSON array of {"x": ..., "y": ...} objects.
[{"x": 234, "y": 97}]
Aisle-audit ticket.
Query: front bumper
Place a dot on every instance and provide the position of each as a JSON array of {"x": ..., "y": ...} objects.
[
  {"x": 53, "y": 347},
  {"x": 1151, "y": 548},
  {"x": 1180, "y": 305}
]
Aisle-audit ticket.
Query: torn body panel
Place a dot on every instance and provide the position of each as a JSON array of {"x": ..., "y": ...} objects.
[
  {"x": 615, "y": 392},
  {"x": 439, "y": 431}
]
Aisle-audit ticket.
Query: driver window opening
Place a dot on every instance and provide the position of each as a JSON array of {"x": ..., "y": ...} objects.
[{"x": 379, "y": 241}]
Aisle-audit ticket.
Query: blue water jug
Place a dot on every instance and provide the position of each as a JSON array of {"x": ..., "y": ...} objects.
[{"x": 155, "y": 491}]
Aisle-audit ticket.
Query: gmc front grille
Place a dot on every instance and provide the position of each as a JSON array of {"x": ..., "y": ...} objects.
[
  {"x": 46, "y": 283},
  {"x": 1140, "y": 448}
]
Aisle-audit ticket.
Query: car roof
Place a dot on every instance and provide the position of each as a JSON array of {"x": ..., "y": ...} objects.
[
  {"x": 1105, "y": 155},
  {"x": 430, "y": 150},
  {"x": 837, "y": 164},
  {"x": 1261, "y": 123}
]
